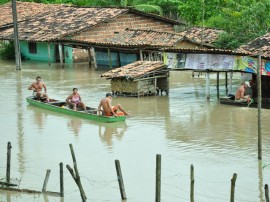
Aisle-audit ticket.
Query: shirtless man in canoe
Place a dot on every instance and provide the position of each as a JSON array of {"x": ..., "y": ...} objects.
[
  {"x": 108, "y": 109},
  {"x": 240, "y": 93},
  {"x": 37, "y": 88}
]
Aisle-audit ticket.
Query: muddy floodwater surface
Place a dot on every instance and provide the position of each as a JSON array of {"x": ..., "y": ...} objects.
[{"x": 183, "y": 127}]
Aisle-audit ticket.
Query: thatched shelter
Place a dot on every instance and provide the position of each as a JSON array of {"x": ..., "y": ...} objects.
[{"x": 139, "y": 78}]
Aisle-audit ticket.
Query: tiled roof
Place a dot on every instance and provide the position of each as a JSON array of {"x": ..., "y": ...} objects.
[
  {"x": 134, "y": 70},
  {"x": 65, "y": 20},
  {"x": 259, "y": 45},
  {"x": 25, "y": 10},
  {"x": 44, "y": 22},
  {"x": 146, "y": 37},
  {"x": 150, "y": 37},
  {"x": 202, "y": 35}
]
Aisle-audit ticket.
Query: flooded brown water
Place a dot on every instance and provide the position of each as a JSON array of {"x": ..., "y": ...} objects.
[{"x": 183, "y": 127}]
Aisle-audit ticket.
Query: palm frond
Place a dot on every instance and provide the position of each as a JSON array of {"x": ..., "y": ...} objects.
[{"x": 149, "y": 8}]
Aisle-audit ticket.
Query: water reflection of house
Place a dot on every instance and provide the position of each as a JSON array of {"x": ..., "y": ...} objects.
[
  {"x": 139, "y": 78},
  {"x": 41, "y": 26}
]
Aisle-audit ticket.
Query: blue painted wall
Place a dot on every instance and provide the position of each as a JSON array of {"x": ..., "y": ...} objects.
[
  {"x": 42, "y": 52},
  {"x": 102, "y": 59}
]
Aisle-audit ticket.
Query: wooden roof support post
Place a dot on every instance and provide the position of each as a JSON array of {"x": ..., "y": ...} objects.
[
  {"x": 49, "y": 53},
  {"x": 110, "y": 58},
  {"x": 16, "y": 37},
  {"x": 61, "y": 54},
  {"x": 218, "y": 85},
  {"x": 259, "y": 88},
  {"x": 93, "y": 53},
  {"x": 141, "y": 55},
  {"x": 207, "y": 85},
  {"x": 230, "y": 84},
  {"x": 89, "y": 57},
  {"x": 226, "y": 82}
]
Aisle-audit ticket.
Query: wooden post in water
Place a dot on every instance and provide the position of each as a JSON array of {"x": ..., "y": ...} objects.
[
  {"x": 266, "y": 193},
  {"x": 61, "y": 54},
  {"x": 46, "y": 180},
  {"x": 192, "y": 181},
  {"x": 93, "y": 53},
  {"x": 158, "y": 177},
  {"x": 76, "y": 175},
  {"x": 120, "y": 180},
  {"x": 49, "y": 53},
  {"x": 16, "y": 37},
  {"x": 141, "y": 55},
  {"x": 259, "y": 88},
  {"x": 61, "y": 180},
  {"x": 8, "y": 162},
  {"x": 230, "y": 84},
  {"x": 110, "y": 58},
  {"x": 207, "y": 85},
  {"x": 217, "y": 84},
  {"x": 233, "y": 180},
  {"x": 89, "y": 57},
  {"x": 226, "y": 82}
]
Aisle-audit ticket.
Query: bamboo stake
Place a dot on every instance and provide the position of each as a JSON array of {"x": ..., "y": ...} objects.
[
  {"x": 158, "y": 177},
  {"x": 46, "y": 180},
  {"x": 266, "y": 193},
  {"x": 76, "y": 175},
  {"x": 61, "y": 180},
  {"x": 192, "y": 181},
  {"x": 259, "y": 107},
  {"x": 233, "y": 180},
  {"x": 8, "y": 162},
  {"x": 120, "y": 180}
]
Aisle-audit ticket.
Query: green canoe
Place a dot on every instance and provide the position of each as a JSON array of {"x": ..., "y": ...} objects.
[{"x": 60, "y": 106}]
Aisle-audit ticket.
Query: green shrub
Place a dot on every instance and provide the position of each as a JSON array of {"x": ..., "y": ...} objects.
[{"x": 7, "y": 51}]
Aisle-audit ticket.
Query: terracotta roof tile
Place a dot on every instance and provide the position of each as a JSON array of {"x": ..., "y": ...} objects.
[
  {"x": 63, "y": 21},
  {"x": 150, "y": 37},
  {"x": 25, "y": 10},
  {"x": 202, "y": 35},
  {"x": 134, "y": 70},
  {"x": 258, "y": 45},
  {"x": 43, "y": 22},
  {"x": 146, "y": 37}
]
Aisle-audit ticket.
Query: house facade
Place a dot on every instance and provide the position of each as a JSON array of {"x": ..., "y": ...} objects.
[{"x": 40, "y": 32}]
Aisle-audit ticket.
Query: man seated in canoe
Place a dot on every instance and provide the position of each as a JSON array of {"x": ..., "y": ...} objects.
[
  {"x": 240, "y": 93},
  {"x": 37, "y": 90},
  {"x": 75, "y": 100},
  {"x": 108, "y": 109}
]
